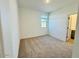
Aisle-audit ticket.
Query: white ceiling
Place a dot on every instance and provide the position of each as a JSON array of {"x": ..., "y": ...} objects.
[{"x": 40, "y": 5}]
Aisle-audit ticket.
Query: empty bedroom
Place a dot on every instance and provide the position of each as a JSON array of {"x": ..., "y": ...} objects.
[
  {"x": 43, "y": 28},
  {"x": 39, "y": 28}
]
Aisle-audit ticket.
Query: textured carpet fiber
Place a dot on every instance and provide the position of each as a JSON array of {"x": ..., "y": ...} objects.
[{"x": 44, "y": 47}]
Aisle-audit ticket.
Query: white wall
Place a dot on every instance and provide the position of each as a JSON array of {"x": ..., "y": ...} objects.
[
  {"x": 30, "y": 23},
  {"x": 58, "y": 21},
  {"x": 10, "y": 30}
]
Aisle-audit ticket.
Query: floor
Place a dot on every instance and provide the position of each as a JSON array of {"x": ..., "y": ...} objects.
[
  {"x": 44, "y": 47},
  {"x": 70, "y": 41}
]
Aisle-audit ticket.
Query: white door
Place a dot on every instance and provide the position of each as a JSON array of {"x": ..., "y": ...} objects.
[{"x": 69, "y": 28}]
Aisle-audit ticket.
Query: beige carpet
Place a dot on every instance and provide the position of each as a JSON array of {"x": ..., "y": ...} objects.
[{"x": 44, "y": 47}]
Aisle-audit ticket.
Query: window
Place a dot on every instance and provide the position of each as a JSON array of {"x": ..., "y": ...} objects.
[{"x": 44, "y": 21}]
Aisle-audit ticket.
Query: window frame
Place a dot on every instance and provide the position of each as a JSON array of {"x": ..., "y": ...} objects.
[{"x": 43, "y": 21}]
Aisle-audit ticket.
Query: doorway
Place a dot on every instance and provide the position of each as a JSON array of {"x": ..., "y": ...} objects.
[{"x": 72, "y": 20}]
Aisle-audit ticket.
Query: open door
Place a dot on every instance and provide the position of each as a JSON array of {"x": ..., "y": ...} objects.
[
  {"x": 72, "y": 20},
  {"x": 69, "y": 28}
]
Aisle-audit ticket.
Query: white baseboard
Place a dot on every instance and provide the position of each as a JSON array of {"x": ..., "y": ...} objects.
[
  {"x": 32, "y": 36},
  {"x": 56, "y": 38}
]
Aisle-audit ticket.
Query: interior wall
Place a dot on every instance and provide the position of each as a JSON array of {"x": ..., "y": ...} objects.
[
  {"x": 10, "y": 28},
  {"x": 30, "y": 23},
  {"x": 5, "y": 27},
  {"x": 58, "y": 21}
]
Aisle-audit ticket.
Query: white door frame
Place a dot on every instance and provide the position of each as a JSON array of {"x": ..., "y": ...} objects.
[{"x": 1, "y": 41}]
